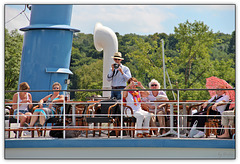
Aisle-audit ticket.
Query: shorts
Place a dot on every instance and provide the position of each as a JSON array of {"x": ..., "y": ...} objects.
[
  {"x": 20, "y": 111},
  {"x": 46, "y": 111}
]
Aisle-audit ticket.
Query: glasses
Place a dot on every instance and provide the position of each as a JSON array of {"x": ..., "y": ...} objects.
[
  {"x": 117, "y": 59},
  {"x": 55, "y": 88},
  {"x": 153, "y": 85}
]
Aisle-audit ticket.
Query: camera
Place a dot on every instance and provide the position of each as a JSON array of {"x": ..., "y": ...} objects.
[
  {"x": 135, "y": 83},
  {"x": 116, "y": 65}
]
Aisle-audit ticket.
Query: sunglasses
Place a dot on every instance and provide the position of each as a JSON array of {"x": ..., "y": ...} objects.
[
  {"x": 117, "y": 59},
  {"x": 55, "y": 88},
  {"x": 153, "y": 85}
]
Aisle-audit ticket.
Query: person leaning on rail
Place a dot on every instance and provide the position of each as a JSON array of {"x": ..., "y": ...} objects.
[
  {"x": 118, "y": 75},
  {"x": 215, "y": 101},
  {"x": 150, "y": 106},
  {"x": 133, "y": 99},
  {"x": 47, "y": 109},
  {"x": 25, "y": 103}
]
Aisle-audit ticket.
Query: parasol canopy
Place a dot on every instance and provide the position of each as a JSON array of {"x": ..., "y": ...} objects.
[{"x": 213, "y": 82}]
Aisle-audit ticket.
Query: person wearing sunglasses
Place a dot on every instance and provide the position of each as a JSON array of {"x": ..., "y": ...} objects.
[
  {"x": 150, "y": 106},
  {"x": 118, "y": 75},
  {"x": 47, "y": 109}
]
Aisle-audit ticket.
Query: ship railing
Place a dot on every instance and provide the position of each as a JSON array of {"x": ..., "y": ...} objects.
[{"x": 178, "y": 115}]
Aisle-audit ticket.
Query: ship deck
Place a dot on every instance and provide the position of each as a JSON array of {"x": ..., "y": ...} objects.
[{"x": 125, "y": 147}]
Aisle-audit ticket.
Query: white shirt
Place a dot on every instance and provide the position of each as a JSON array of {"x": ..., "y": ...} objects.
[
  {"x": 152, "y": 98},
  {"x": 23, "y": 107},
  {"x": 119, "y": 79},
  {"x": 130, "y": 102},
  {"x": 222, "y": 107}
]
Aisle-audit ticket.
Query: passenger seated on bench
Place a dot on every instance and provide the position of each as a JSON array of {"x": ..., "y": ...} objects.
[
  {"x": 226, "y": 121},
  {"x": 25, "y": 103},
  {"x": 47, "y": 110},
  {"x": 153, "y": 96},
  {"x": 216, "y": 100},
  {"x": 133, "y": 99}
]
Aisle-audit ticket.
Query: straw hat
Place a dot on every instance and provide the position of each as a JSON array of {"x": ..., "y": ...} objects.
[{"x": 118, "y": 55}]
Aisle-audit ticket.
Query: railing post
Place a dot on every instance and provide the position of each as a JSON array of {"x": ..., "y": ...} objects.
[
  {"x": 18, "y": 125},
  {"x": 121, "y": 113},
  {"x": 64, "y": 118},
  {"x": 73, "y": 114},
  {"x": 178, "y": 124}
]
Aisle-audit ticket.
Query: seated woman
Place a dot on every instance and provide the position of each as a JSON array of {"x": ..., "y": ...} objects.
[
  {"x": 133, "y": 99},
  {"x": 153, "y": 96},
  {"x": 25, "y": 103},
  {"x": 215, "y": 101},
  {"x": 47, "y": 110},
  {"x": 226, "y": 121}
]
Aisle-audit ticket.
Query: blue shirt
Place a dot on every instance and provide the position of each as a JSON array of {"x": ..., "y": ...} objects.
[{"x": 119, "y": 79}]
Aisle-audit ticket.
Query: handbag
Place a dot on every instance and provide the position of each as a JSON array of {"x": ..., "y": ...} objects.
[{"x": 193, "y": 130}]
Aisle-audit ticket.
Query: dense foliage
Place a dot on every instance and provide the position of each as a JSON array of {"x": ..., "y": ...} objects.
[
  {"x": 13, "y": 51},
  {"x": 192, "y": 54}
]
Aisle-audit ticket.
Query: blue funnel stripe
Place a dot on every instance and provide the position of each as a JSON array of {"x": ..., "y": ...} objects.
[{"x": 49, "y": 26}]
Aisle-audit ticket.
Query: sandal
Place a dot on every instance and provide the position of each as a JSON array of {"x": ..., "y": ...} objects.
[
  {"x": 146, "y": 135},
  {"x": 139, "y": 135},
  {"x": 25, "y": 125}
]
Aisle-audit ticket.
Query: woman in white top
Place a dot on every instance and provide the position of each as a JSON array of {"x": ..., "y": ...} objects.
[
  {"x": 25, "y": 103},
  {"x": 160, "y": 110},
  {"x": 133, "y": 99}
]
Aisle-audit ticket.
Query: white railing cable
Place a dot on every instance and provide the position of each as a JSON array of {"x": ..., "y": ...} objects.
[{"x": 180, "y": 115}]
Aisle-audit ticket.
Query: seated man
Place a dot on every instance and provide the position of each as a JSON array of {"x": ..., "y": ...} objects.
[{"x": 201, "y": 117}]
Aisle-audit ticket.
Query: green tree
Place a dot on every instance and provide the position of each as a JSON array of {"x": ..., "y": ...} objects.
[
  {"x": 88, "y": 77},
  {"x": 13, "y": 51},
  {"x": 145, "y": 61},
  {"x": 232, "y": 44},
  {"x": 195, "y": 42},
  {"x": 192, "y": 54}
]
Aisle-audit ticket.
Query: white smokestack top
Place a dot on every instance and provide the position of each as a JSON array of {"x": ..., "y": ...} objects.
[{"x": 105, "y": 39}]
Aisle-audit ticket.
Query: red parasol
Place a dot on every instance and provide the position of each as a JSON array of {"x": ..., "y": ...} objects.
[{"x": 213, "y": 82}]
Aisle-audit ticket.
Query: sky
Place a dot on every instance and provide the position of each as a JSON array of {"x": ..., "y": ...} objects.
[{"x": 138, "y": 19}]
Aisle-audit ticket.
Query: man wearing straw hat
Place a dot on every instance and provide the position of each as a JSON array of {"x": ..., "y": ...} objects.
[{"x": 118, "y": 75}]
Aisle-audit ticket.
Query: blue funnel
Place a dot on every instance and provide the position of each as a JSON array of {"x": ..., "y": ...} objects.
[{"x": 47, "y": 48}]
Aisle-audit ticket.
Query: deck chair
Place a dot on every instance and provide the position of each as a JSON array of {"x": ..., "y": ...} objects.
[
  {"x": 51, "y": 120},
  {"x": 80, "y": 111},
  {"x": 11, "y": 120},
  {"x": 99, "y": 113},
  {"x": 167, "y": 112},
  {"x": 130, "y": 120},
  {"x": 214, "y": 122}
]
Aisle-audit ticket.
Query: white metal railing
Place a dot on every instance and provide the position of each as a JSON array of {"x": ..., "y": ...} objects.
[{"x": 180, "y": 126}]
